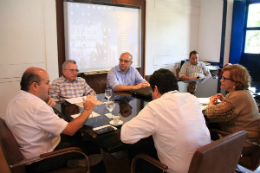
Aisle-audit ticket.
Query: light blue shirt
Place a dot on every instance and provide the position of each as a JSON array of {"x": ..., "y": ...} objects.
[{"x": 117, "y": 77}]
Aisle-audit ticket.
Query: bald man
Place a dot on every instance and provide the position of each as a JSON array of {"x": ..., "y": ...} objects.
[
  {"x": 124, "y": 77},
  {"x": 35, "y": 126}
]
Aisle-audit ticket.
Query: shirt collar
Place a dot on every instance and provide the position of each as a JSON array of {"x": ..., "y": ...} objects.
[
  {"x": 194, "y": 65},
  {"x": 170, "y": 92},
  {"x": 119, "y": 70},
  {"x": 66, "y": 80}
]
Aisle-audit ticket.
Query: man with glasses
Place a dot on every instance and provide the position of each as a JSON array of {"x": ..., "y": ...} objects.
[
  {"x": 123, "y": 77},
  {"x": 69, "y": 85}
]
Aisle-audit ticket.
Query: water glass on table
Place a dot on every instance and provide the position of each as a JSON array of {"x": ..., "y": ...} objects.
[
  {"x": 108, "y": 93},
  {"x": 110, "y": 105}
]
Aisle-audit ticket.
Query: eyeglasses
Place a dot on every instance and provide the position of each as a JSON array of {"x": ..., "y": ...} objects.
[
  {"x": 72, "y": 70},
  {"x": 226, "y": 78},
  {"x": 125, "y": 61}
]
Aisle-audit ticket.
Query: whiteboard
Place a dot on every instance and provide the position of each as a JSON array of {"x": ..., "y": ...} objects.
[{"x": 97, "y": 34}]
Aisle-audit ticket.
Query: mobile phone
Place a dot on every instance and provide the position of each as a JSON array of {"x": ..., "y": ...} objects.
[{"x": 104, "y": 130}]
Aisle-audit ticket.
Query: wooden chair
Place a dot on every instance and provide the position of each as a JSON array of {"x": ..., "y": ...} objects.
[
  {"x": 11, "y": 157},
  {"x": 147, "y": 77},
  {"x": 218, "y": 156},
  {"x": 101, "y": 86}
]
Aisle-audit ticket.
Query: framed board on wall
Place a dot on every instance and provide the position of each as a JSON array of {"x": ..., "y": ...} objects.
[{"x": 96, "y": 33}]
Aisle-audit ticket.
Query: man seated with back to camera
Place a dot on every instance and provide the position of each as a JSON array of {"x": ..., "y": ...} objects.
[
  {"x": 174, "y": 120},
  {"x": 69, "y": 85},
  {"x": 37, "y": 129},
  {"x": 124, "y": 77},
  {"x": 194, "y": 70}
]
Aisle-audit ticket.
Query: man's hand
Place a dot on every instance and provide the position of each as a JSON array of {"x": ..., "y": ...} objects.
[
  {"x": 142, "y": 85},
  {"x": 90, "y": 103},
  {"x": 50, "y": 102}
]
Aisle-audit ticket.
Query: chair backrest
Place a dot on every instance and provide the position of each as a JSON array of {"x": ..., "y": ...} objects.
[
  {"x": 147, "y": 77},
  {"x": 101, "y": 86},
  {"x": 219, "y": 156},
  {"x": 253, "y": 161},
  {"x": 10, "y": 148}
]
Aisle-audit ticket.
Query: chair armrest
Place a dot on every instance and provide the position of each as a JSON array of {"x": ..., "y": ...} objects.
[
  {"x": 49, "y": 155},
  {"x": 219, "y": 132},
  {"x": 148, "y": 159},
  {"x": 253, "y": 143},
  {"x": 60, "y": 151}
]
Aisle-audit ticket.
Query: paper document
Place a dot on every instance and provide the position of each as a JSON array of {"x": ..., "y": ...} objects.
[
  {"x": 76, "y": 100},
  {"x": 94, "y": 114},
  {"x": 204, "y": 100},
  {"x": 100, "y": 127},
  {"x": 81, "y": 104},
  {"x": 109, "y": 115},
  {"x": 203, "y": 107}
]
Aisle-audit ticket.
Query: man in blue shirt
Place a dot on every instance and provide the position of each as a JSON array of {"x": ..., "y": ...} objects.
[{"x": 123, "y": 77}]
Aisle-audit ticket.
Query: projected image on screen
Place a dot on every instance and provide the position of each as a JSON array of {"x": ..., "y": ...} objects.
[{"x": 96, "y": 35}]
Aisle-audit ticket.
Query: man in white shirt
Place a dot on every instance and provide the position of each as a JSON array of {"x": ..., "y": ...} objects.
[
  {"x": 36, "y": 127},
  {"x": 174, "y": 120}
]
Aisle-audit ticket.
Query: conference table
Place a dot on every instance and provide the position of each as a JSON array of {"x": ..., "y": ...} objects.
[
  {"x": 109, "y": 142},
  {"x": 128, "y": 105}
]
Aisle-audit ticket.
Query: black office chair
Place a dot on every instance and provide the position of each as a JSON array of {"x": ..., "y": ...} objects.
[{"x": 218, "y": 156}]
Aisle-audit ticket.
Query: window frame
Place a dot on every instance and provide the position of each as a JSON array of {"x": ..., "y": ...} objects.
[{"x": 249, "y": 2}]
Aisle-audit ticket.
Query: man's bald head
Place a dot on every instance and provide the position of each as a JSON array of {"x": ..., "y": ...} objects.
[{"x": 32, "y": 74}]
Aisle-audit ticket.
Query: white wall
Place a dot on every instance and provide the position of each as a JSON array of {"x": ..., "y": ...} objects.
[
  {"x": 228, "y": 30},
  {"x": 175, "y": 27},
  {"x": 211, "y": 14},
  {"x": 28, "y": 38},
  {"x": 172, "y": 30}
]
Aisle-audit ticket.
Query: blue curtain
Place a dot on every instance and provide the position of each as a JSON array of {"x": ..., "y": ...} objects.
[{"x": 237, "y": 38}]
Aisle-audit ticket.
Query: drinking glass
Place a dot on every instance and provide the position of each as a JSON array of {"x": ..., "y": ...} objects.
[
  {"x": 108, "y": 93},
  {"x": 110, "y": 105}
]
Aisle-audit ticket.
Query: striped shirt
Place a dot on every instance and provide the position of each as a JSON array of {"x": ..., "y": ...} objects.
[
  {"x": 62, "y": 88},
  {"x": 198, "y": 70}
]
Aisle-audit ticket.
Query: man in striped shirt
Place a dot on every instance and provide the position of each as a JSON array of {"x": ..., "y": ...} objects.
[
  {"x": 194, "y": 69},
  {"x": 69, "y": 85}
]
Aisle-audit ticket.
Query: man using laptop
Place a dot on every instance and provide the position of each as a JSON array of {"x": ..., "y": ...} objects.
[
  {"x": 69, "y": 85},
  {"x": 123, "y": 77},
  {"x": 174, "y": 120}
]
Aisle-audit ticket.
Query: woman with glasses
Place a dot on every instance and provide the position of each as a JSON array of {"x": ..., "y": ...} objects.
[{"x": 238, "y": 109}]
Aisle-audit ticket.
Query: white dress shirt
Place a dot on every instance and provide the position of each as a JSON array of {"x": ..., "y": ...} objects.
[
  {"x": 34, "y": 124},
  {"x": 176, "y": 122}
]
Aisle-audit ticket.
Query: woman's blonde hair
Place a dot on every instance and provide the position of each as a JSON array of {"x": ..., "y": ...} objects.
[{"x": 239, "y": 75}]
